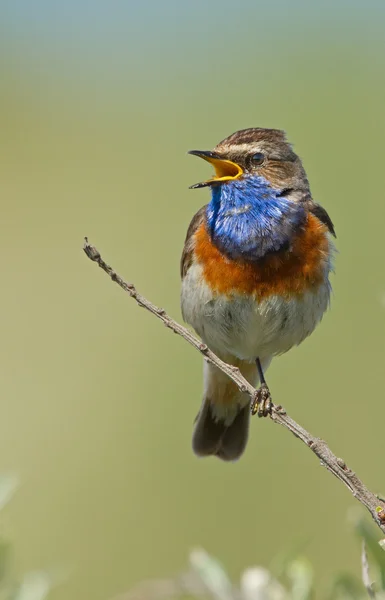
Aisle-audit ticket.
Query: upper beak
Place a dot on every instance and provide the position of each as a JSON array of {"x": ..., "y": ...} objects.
[{"x": 225, "y": 170}]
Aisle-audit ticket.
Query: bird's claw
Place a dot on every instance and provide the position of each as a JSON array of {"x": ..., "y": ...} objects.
[{"x": 262, "y": 404}]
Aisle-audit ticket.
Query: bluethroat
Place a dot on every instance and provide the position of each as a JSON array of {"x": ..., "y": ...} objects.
[{"x": 255, "y": 275}]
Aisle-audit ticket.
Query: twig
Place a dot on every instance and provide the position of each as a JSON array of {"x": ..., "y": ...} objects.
[
  {"x": 365, "y": 572},
  {"x": 335, "y": 465}
]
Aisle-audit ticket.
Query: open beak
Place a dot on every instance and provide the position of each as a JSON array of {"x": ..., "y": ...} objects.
[{"x": 225, "y": 170}]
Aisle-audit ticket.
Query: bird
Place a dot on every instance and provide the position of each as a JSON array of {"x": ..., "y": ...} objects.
[{"x": 255, "y": 272}]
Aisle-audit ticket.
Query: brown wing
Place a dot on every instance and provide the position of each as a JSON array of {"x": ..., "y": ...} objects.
[
  {"x": 188, "y": 248},
  {"x": 323, "y": 216}
]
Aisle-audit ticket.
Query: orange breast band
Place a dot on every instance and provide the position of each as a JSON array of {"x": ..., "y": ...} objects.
[{"x": 288, "y": 273}]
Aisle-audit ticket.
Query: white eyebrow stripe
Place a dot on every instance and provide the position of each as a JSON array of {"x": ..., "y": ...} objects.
[{"x": 246, "y": 148}]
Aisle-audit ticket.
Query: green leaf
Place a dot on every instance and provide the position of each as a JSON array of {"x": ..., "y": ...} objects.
[
  {"x": 349, "y": 586},
  {"x": 35, "y": 586},
  {"x": 300, "y": 573},
  {"x": 372, "y": 543},
  {"x": 212, "y": 574},
  {"x": 284, "y": 558}
]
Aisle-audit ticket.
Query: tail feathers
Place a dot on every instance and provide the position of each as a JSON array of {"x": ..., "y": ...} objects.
[{"x": 216, "y": 437}]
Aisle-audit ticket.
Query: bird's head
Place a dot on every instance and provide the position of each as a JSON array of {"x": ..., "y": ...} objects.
[
  {"x": 256, "y": 154},
  {"x": 259, "y": 192}
]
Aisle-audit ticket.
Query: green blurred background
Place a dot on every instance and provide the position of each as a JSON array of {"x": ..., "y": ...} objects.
[{"x": 99, "y": 104}]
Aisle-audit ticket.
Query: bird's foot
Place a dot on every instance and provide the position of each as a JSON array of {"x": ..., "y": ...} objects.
[{"x": 262, "y": 404}]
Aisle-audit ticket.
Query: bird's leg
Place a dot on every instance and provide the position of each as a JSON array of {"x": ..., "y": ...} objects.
[{"x": 262, "y": 404}]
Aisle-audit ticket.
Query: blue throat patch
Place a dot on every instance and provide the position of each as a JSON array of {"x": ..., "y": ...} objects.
[{"x": 248, "y": 219}]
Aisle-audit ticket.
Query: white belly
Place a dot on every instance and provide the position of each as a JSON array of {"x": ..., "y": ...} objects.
[{"x": 241, "y": 326}]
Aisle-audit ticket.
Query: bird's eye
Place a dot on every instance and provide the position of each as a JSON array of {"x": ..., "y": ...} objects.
[{"x": 258, "y": 158}]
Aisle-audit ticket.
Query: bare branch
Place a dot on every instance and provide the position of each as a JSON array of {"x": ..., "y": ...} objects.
[{"x": 335, "y": 465}]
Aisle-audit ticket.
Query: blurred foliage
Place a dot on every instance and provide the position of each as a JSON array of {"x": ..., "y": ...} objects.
[
  {"x": 289, "y": 578},
  {"x": 207, "y": 578}
]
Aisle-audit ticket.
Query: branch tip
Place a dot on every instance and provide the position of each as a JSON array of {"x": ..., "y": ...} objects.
[{"x": 91, "y": 251}]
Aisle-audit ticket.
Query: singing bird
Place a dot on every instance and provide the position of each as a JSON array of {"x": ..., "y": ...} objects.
[{"x": 255, "y": 275}]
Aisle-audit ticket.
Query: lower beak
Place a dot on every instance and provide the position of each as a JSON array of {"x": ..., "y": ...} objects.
[{"x": 225, "y": 170}]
